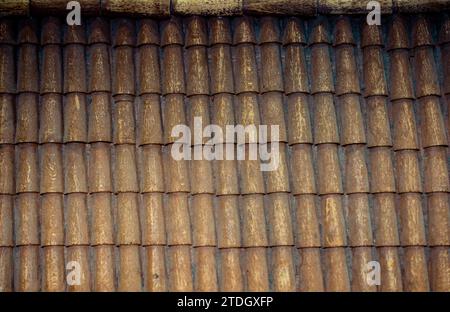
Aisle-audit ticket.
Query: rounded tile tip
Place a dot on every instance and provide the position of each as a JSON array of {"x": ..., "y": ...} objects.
[
  {"x": 294, "y": 31},
  {"x": 124, "y": 32},
  {"x": 171, "y": 32},
  {"x": 343, "y": 32},
  {"x": 50, "y": 33},
  {"x": 219, "y": 30},
  {"x": 244, "y": 32},
  {"x": 99, "y": 32},
  {"x": 196, "y": 31},
  {"x": 398, "y": 36},
  {"x": 148, "y": 32},
  {"x": 270, "y": 31}
]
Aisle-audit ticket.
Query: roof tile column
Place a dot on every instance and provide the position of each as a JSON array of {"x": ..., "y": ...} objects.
[
  {"x": 326, "y": 139},
  {"x": 408, "y": 180},
  {"x": 27, "y": 165},
  {"x": 7, "y": 134},
  {"x": 353, "y": 139},
  {"x": 75, "y": 139},
  {"x": 226, "y": 176},
  {"x": 99, "y": 138},
  {"x": 150, "y": 149},
  {"x": 202, "y": 199},
  {"x": 382, "y": 182},
  {"x": 51, "y": 163},
  {"x": 254, "y": 233},
  {"x": 300, "y": 140},
  {"x": 281, "y": 237},
  {"x": 434, "y": 148},
  {"x": 177, "y": 185}
]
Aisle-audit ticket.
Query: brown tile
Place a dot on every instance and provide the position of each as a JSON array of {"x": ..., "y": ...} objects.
[
  {"x": 271, "y": 70},
  {"x": 381, "y": 170},
  {"x": 99, "y": 30},
  {"x": 156, "y": 278},
  {"x": 150, "y": 129},
  {"x": 51, "y": 215},
  {"x": 360, "y": 257},
  {"x": 294, "y": 31},
  {"x": 226, "y": 173},
  {"x": 426, "y": 79},
  {"x": 328, "y": 169},
  {"x": 391, "y": 275},
  {"x": 123, "y": 77},
  {"x": 51, "y": 71},
  {"x": 152, "y": 219},
  {"x": 74, "y": 68},
  {"x": 27, "y": 177},
  {"x": 27, "y": 68},
  {"x": 74, "y": 34},
  {"x": 346, "y": 71},
  {"x": 228, "y": 222},
  {"x": 7, "y": 69},
  {"x": 75, "y": 168},
  {"x": 299, "y": 121},
  {"x": 198, "y": 109},
  {"x": 179, "y": 268},
  {"x": 128, "y": 230},
  {"x": 151, "y": 169},
  {"x": 149, "y": 72},
  {"x": 400, "y": 75},
  {"x": 356, "y": 175},
  {"x": 125, "y": 32},
  {"x": 173, "y": 115},
  {"x": 6, "y": 220},
  {"x": 351, "y": 118},
  {"x": 333, "y": 224},
  {"x": 176, "y": 172},
  {"x": 415, "y": 276},
  {"x": 277, "y": 178},
  {"x": 438, "y": 268},
  {"x": 405, "y": 136},
  {"x": 272, "y": 114},
  {"x": 130, "y": 271},
  {"x": 385, "y": 220},
  {"x": 27, "y": 129},
  {"x": 303, "y": 180},
  {"x": 248, "y": 115},
  {"x": 100, "y": 168},
  {"x": 6, "y": 269},
  {"x": 282, "y": 267},
  {"x": 76, "y": 215},
  {"x": 75, "y": 119},
  {"x": 103, "y": 273},
  {"x": 197, "y": 70},
  {"x": 7, "y": 119},
  {"x": 99, "y": 69},
  {"x": 251, "y": 178},
  {"x": 254, "y": 233},
  {"x": 219, "y": 30},
  {"x": 53, "y": 269},
  {"x": 27, "y": 272},
  {"x": 337, "y": 275},
  {"x": 295, "y": 71},
  {"x": 51, "y": 119},
  {"x": 173, "y": 70},
  {"x": 178, "y": 224},
  {"x": 243, "y": 30},
  {"x": 408, "y": 176},
  {"x": 325, "y": 122},
  {"x": 359, "y": 223},
  {"x": 81, "y": 257},
  {"x": 321, "y": 69},
  {"x": 205, "y": 277},
  {"x": 378, "y": 128},
  {"x": 7, "y": 185},
  {"x": 99, "y": 115},
  {"x": 230, "y": 272},
  {"x": 202, "y": 215},
  {"x": 411, "y": 220},
  {"x": 374, "y": 72},
  {"x": 7, "y": 28},
  {"x": 310, "y": 272},
  {"x": 221, "y": 69},
  {"x": 101, "y": 220},
  {"x": 125, "y": 174},
  {"x": 171, "y": 31},
  {"x": 431, "y": 122},
  {"x": 436, "y": 177},
  {"x": 438, "y": 221},
  {"x": 51, "y": 168},
  {"x": 245, "y": 70},
  {"x": 124, "y": 123},
  {"x": 256, "y": 268},
  {"x": 397, "y": 37},
  {"x": 279, "y": 220},
  {"x": 371, "y": 35},
  {"x": 308, "y": 234}
]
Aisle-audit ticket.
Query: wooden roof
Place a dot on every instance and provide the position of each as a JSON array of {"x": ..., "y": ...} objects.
[{"x": 86, "y": 173}]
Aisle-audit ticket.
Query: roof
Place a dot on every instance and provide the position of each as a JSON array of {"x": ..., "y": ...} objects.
[{"x": 87, "y": 174}]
